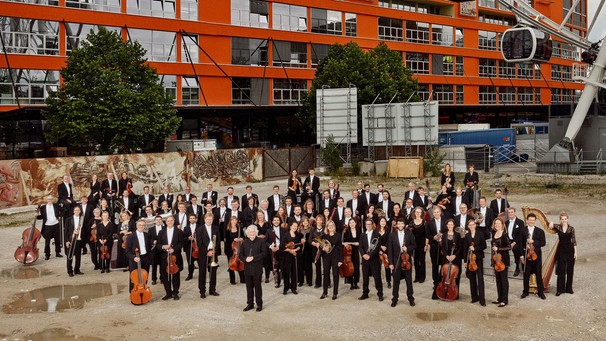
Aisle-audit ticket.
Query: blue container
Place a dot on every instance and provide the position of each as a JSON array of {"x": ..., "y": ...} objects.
[{"x": 502, "y": 138}]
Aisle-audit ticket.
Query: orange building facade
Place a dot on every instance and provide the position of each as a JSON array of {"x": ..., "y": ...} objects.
[{"x": 238, "y": 60}]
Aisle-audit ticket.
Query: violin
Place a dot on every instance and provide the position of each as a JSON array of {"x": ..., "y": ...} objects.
[
  {"x": 530, "y": 253},
  {"x": 93, "y": 233},
  {"x": 447, "y": 289},
  {"x": 405, "y": 261},
  {"x": 497, "y": 259},
  {"x": 140, "y": 293},
  {"x": 129, "y": 187},
  {"x": 384, "y": 259},
  {"x": 104, "y": 250},
  {"x": 471, "y": 260},
  {"x": 195, "y": 251},
  {"x": 172, "y": 267},
  {"x": 28, "y": 253}
]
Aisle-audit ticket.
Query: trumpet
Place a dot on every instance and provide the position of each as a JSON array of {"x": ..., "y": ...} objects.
[
  {"x": 122, "y": 208},
  {"x": 213, "y": 258},
  {"x": 75, "y": 237}
]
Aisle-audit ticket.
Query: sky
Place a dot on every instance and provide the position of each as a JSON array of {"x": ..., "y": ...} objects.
[{"x": 599, "y": 29}]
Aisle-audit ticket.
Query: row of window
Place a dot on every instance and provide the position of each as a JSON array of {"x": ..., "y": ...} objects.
[
  {"x": 508, "y": 95},
  {"x": 499, "y": 68},
  {"x": 420, "y": 32}
]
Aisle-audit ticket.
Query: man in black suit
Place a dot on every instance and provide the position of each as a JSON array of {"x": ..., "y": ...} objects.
[
  {"x": 252, "y": 252},
  {"x": 433, "y": 235},
  {"x": 411, "y": 193},
  {"x": 166, "y": 196},
  {"x": 399, "y": 243},
  {"x": 369, "y": 197},
  {"x": 339, "y": 217},
  {"x": 274, "y": 201},
  {"x": 156, "y": 252},
  {"x": 288, "y": 206},
  {"x": 532, "y": 237},
  {"x": 189, "y": 232},
  {"x": 196, "y": 209},
  {"x": 126, "y": 202},
  {"x": 182, "y": 223},
  {"x": 139, "y": 242},
  {"x": 51, "y": 216},
  {"x": 311, "y": 187},
  {"x": 187, "y": 195},
  {"x": 171, "y": 241},
  {"x": 73, "y": 239},
  {"x": 248, "y": 194},
  {"x": 371, "y": 263},
  {"x": 356, "y": 205},
  {"x": 514, "y": 225},
  {"x": 66, "y": 196},
  {"x": 274, "y": 237},
  {"x": 326, "y": 202},
  {"x": 498, "y": 204},
  {"x": 87, "y": 213},
  {"x": 485, "y": 224},
  {"x": 471, "y": 181},
  {"x": 235, "y": 212},
  {"x": 460, "y": 220},
  {"x": 423, "y": 200},
  {"x": 386, "y": 205},
  {"x": 207, "y": 236},
  {"x": 456, "y": 202},
  {"x": 109, "y": 187},
  {"x": 210, "y": 196},
  {"x": 230, "y": 196},
  {"x": 145, "y": 199}
]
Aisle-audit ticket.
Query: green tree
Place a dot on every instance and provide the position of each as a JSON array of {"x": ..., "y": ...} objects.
[
  {"x": 380, "y": 71},
  {"x": 110, "y": 98}
]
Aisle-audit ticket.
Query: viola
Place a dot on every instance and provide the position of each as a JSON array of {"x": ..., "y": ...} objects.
[
  {"x": 140, "y": 293},
  {"x": 28, "y": 253},
  {"x": 347, "y": 267},
  {"x": 447, "y": 289},
  {"x": 172, "y": 267}
]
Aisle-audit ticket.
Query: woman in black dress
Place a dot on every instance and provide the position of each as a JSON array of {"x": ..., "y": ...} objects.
[
  {"x": 262, "y": 227},
  {"x": 448, "y": 178},
  {"x": 331, "y": 259},
  {"x": 105, "y": 239},
  {"x": 294, "y": 186},
  {"x": 417, "y": 226},
  {"x": 351, "y": 237},
  {"x": 372, "y": 214},
  {"x": 95, "y": 191},
  {"x": 566, "y": 254},
  {"x": 306, "y": 268},
  {"x": 125, "y": 227},
  {"x": 384, "y": 230},
  {"x": 475, "y": 244},
  {"x": 291, "y": 247},
  {"x": 309, "y": 210},
  {"x": 501, "y": 246},
  {"x": 452, "y": 247},
  {"x": 234, "y": 233}
]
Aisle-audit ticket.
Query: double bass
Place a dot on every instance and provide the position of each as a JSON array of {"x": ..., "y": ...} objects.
[
  {"x": 27, "y": 253},
  {"x": 235, "y": 263},
  {"x": 347, "y": 267},
  {"x": 447, "y": 289},
  {"x": 140, "y": 293}
]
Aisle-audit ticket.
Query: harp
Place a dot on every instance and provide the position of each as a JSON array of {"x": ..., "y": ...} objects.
[{"x": 549, "y": 263}]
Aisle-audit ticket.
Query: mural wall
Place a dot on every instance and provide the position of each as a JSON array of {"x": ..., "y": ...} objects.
[{"x": 28, "y": 181}]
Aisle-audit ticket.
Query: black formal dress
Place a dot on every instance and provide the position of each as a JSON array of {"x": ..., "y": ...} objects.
[
  {"x": 253, "y": 271},
  {"x": 418, "y": 254},
  {"x": 315, "y": 233},
  {"x": 503, "y": 244},
  {"x": 91, "y": 226},
  {"x": 476, "y": 278},
  {"x": 105, "y": 233},
  {"x": 453, "y": 244},
  {"x": 229, "y": 252},
  {"x": 122, "y": 260},
  {"x": 383, "y": 241},
  {"x": 355, "y": 255},
  {"x": 290, "y": 263},
  {"x": 397, "y": 240},
  {"x": 330, "y": 261},
  {"x": 565, "y": 258},
  {"x": 432, "y": 228}
]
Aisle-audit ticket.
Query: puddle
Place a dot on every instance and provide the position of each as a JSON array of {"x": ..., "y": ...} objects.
[
  {"x": 59, "y": 298},
  {"x": 492, "y": 316},
  {"x": 24, "y": 272},
  {"x": 432, "y": 316},
  {"x": 59, "y": 334}
]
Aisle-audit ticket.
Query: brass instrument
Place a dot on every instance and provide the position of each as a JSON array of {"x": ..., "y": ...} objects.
[
  {"x": 322, "y": 243},
  {"x": 75, "y": 237},
  {"x": 549, "y": 263},
  {"x": 477, "y": 215},
  {"x": 122, "y": 208},
  {"x": 373, "y": 245},
  {"x": 461, "y": 231},
  {"x": 214, "y": 263}
]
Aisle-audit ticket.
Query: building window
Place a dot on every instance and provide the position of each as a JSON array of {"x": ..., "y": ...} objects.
[
  {"x": 487, "y": 95},
  {"x": 488, "y": 68},
  {"x": 159, "y": 45},
  {"x": 507, "y": 70},
  {"x": 154, "y": 8},
  {"x": 555, "y": 96},
  {"x": 448, "y": 65},
  {"x": 417, "y": 32},
  {"x": 245, "y": 51},
  {"x": 488, "y": 3},
  {"x": 459, "y": 37},
  {"x": 507, "y": 95},
  {"x": 418, "y": 62},
  {"x": 525, "y": 95},
  {"x": 459, "y": 67},
  {"x": 31, "y": 86},
  {"x": 496, "y": 19},
  {"x": 190, "y": 91},
  {"x": 442, "y": 35},
  {"x": 251, "y": 13},
  {"x": 397, "y": 4},
  {"x": 423, "y": 91},
  {"x": 289, "y": 91},
  {"x": 487, "y": 40},
  {"x": 30, "y": 36},
  {"x": 351, "y": 24},
  {"x": 444, "y": 93},
  {"x": 289, "y": 54},
  {"x": 525, "y": 71},
  {"x": 189, "y": 48},
  {"x": 460, "y": 94},
  {"x": 318, "y": 51},
  {"x": 39, "y": 2},
  {"x": 289, "y": 17},
  {"x": 169, "y": 83},
  {"x": 250, "y": 91},
  {"x": 189, "y": 10},
  {"x": 325, "y": 21},
  {"x": 95, "y": 5},
  {"x": 390, "y": 29},
  {"x": 76, "y": 33}
]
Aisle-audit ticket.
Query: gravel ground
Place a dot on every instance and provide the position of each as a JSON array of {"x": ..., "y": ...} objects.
[{"x": 581, "y": 316}]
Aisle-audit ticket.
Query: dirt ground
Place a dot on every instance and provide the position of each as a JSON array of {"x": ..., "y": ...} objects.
[{"x": 581, "y": 316}]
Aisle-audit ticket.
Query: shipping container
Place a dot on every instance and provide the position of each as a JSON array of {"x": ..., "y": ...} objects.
[{"x": 502, "y": 138}]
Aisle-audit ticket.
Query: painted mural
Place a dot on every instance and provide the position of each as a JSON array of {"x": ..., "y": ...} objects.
[{"x": 28, "y": 181}]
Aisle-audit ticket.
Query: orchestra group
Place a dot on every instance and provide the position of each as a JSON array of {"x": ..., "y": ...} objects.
[{"x": 308, "y": 237}]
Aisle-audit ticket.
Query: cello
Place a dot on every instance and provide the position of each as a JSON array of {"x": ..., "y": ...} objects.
[
  {"x": 235, "y": 263},
  {"x": 347, "y": 268},
  {"x": 447, "y": 289},
  {"x": 28, "y": 253},
  {"x": 140, "y": 293}
]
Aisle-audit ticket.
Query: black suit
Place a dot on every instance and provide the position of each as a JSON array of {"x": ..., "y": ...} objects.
[
  {"x": 369, "y": 197},
  {"x": 171, "y": 287},
  {"x": 214, "y": 196},
  {"x": 315, "y": 188},
  {"x": 142, "y": 202},
  {"x": 422, "y": 202},
  {"x": 253, "y": 270},
  {"x": 323, "y": 205},
  {"x": 278, "y": 238},
  {"x": 249, "y": 215},
  {"x": 105, "y": 187},
  {"x": 204, "y": 239},
  {"x": 476, "y": 278},
  {"x": 166, "y": 197},
  {"x": 66, "y": 198},
  {"x": 130, "y": 207},
  {"x": 244, "y": 200},
  {"x": 132, "y": 244},
  {"x": 272, "y": 208},
  {"x": 432, "y": 229},
  {"x": 494, "y": 206},
  {"x": 415, "y": 197},
  {"x": 488, "y": 216},
  {"x": 393, "y": 254},
  {"x": 360, "y": 208},
  {"x": 70, "y": 228},
  {"x": 457, "y": 221},
  {"x": 514, "y": 236},
  {"x": 532, "y": 266},
  {"x": 51, "y": 231},
  {"x": 198, "y": 210},
  {"x": 156, "y": 250},
  {"x": 372, "y": 266},
  {"x": 389, "y": 212}
]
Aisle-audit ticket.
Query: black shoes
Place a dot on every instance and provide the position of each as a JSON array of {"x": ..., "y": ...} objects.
[
  {"x": 394, "y": 303},
  {"x": 412, "y": 303},
  {"x": 167, "y": 297},
  {"x": 284, "y": 292},
  {"x": 381, "y": 298},
  {"x": 415, "y": 281},
  {"x": 558, "y": 293},
  {"x": 79, "y": 273},
  {"x": 176, "y": 297},
  {"x": 249, "y": 307},
  {"x": 542, "y": 296},
  {"x": 323, "y": 296},
  {"x": 334, "y": 297},
  {"x": 496, "y": 302},
  {"x": 267, "y": 280},
  {"x": 154, "y": 282},
  {"x": 214, "y": 293},
  {"x": 363, "y": 297},
  {"x": 502, "y": 304},
  {"x": 516, "y": 273},
  {"x": 524, "y": 295},
  {"x": 47, "y": 257},
  {"x": 202, "y": 295},
  {"x": 570, "y": 292},
  {"x": 71, "y": 274},
  {"x": 259, "y": 308},
  {"x": 59, "y": 255},
  {"x": 295, "y": 292},
  {"x": 388, "y": 285},
  {"x": 189, "y": 277}
]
